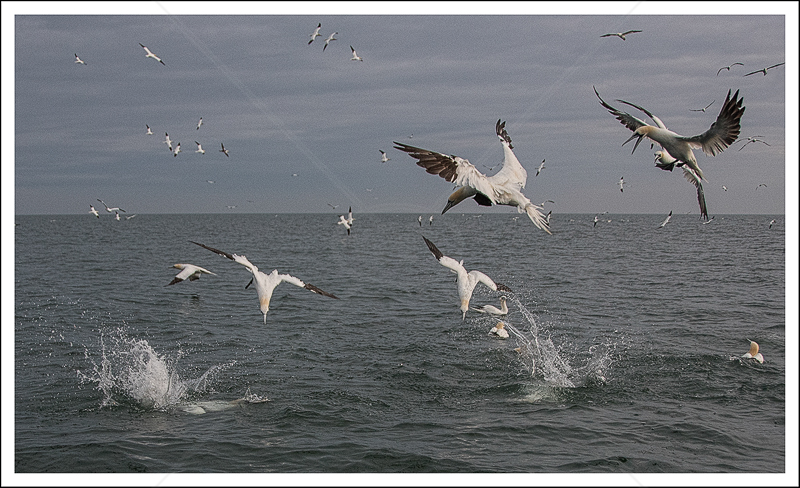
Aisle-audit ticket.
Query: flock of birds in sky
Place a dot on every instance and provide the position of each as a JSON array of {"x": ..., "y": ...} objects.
[{"x": 505, "y": 187}]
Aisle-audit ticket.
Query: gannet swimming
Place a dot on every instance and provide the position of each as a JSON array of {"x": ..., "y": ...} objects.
[
  {"x": 223, "y": 150},
  {"x": 502, "y": 188},
  {"x": 492, "y": 310},
  {"x": 722, "y": 133},
  {"x": 499, "y": 330},
  {"x": 764, "y": 70},
  {"x": 539, "y": 169},
  {"x": 79, "y": 60},
  {"x": 93, "y": 211},
  {"x": 751, "y": 139},
  {"x": 384, "y": 158},
  {"x": 110, "y": 209},
  {"x": 753, "y": 353},
  {"x": 728, "y": 67},
  {"x": 189, "y": 271},
  {"x": 266, "y": 283},
  {"x": 621, "y": 35},
  {"x": 702, "y": 109},
  {"x": 343, "y": 221},
  {"x": 150, "y": 54},
  {"x": 200, "y": 148},
  {"x": 199, "y": 123},
  {"x": 621, "y": 183},
  {"x": 355, "y": 57},
  {"x": 328, "y": 40},
  {"x": 177, "y": 149},
  {"x": 316, "y": 33},
  {"x": 149, "y": 132},
  {"x": 167, "y": 141},
  {"x": 666, "y": 220},
  {"x": 466, "y": 282}
]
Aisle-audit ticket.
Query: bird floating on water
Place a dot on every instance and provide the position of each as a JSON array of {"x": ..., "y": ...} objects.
[
  {"x": 328, "y": 40},
  {"x": 316, "y": 33},
  {"x": 753, "y": 353},
  {"x": 502, "y": 188},
  {"x": 492, "y": 310},
  {"x": 151, "y": 55},
  {"x": 355, "y": 57},
  {"x": 499, "y": 330},
  {"x": 466, "y": 281},
  {"x": 621, "y": 35},
  {"x": 764, "y": 70},
  {"x": 266, "y": 283},
  {"x": 728, "y": 68},
  {"x": 188, "y": 272},
  {"x": 79, "y": 60},
  {"x": 110, "y": 209}
]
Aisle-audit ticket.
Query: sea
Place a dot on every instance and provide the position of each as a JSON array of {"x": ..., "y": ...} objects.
[{"x": 624, "y": 355}]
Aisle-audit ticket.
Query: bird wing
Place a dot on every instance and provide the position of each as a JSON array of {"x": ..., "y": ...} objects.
[
  {"x": 476, "y": 276},
  {"x": 445, "y": 261},
  {"x": 625, "y": 118},
  {"x": 511, "y": 173},
  {"x": 694, "y": 179},
  {"x": 308, "y": 286},
  {"x": 221, "y": 253},
  {"x": 724, "y": 131},
  {"x": 630, "y": 32}
]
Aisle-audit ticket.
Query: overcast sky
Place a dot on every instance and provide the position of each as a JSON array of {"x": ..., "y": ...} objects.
[{"x": 304, "y": 127}]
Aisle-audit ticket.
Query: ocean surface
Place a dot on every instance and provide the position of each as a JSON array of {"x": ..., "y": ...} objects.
[{"x": 624, "y": 354}]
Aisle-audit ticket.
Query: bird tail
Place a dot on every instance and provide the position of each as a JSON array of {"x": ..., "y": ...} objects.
[{"x": 536, "y": 216}]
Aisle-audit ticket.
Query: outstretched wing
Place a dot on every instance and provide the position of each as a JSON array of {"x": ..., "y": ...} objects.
[
  {"x": 694, "y": 179},
  {"x": 221, "y": 253},
  {"x": 308, "y": 286},
  {"x": 625, "y": 118},
  {"x": 512, "y": 173},
  {"x": 724, "y": 131}
]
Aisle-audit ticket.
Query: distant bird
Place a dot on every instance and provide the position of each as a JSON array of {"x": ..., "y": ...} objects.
[
  {"x": 546, "y": 201},
  {"x": 430, "y": 220},
  {"x": 751, "y": 139},
  {"x": 499, "y": 330},
  {"x": 130, "y": 217},
  {"x": 384, "y": 158},
  {"x": 764, "y": 70},
  {"x": 539, "y": 169},
  {"x": 79, "y": 60},
  {"x": 666, "y": 220},
  {"x": 189, "y": 272},
  {"x": 333, "y": 206},
  {"x": 110, "y": 209},
  {"x": 355, "y": 57},
  {"x": 724, "y": 187},
  {"x": 621, "y": 183},
  {"x": 547, "y": 217},
  {"x": 328, "y": 41},
  {"x": 151, "y": 55},
  {"x": 466, "y": 281},
  {"x": 728, "y": 67},
  {"x": 722, "y": 133},
  {"x": 760, "y": 185},
  {"x": 223, "y": 150},
  {"x": 419, "y": 219},
  {"x": 266, "y": 283},
  {"x": 149, "y": 132},
  {"x": 621, "y": 35},
  {"x": 753, "y": 353},
  {"x": 168, "y": 142},
  {"x": 199, "y": 123},
  {"x": 315, "y": 34},
  {"x": 231, "y": 207},
  {"x": 708, "y": 221},
  {"x": 350, "y": 218},
  {"x": 210, "y": 181},
  {"x": 199, "y": 148},
  {"x": 492, "y": 310},
  {"x": 702, "y": 109},
  {"x": 93, "y": 211},
  {"x": 116, "y": 215},
  {"x": 502, "y": 188},
  {"x": 177, "y": 149},
  {"x": 596, "y": 220},
  {"x": 771, "y": 222},
  {"x": 343, "y": 221}
]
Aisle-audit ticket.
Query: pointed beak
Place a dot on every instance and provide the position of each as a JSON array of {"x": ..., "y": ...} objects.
[
  {"x": 248, "y": 286},
  {"x": 450, "y": 204}
]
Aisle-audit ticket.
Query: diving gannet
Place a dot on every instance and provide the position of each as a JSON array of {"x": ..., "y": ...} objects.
[
  {"x": 266, "y": 283},
  {"x": 177, "y": 149},
  {"x": 189, "y": 272},
  {"x": 384, "y": 158},
  {"x": 151, "y": 55},
  {"x": 666, "y": 220},
  {"x": 621, "y": 183},
  {"x": 343, "y": 221}
]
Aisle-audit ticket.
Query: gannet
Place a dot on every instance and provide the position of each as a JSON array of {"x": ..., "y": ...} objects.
[
  {"x": 773, "y": 221},
  {"x": 333, "y": 206},
  {"x": 499, "y": 330},
  {"x": 547, "y": 217},
  {"x": 492, "y": 310},
  {"x": 724, "y": 187},
  {"x": 93, "y": 211},
  {"x": 149, "y": 132},
  {"x": 189, "y": 271},
  {"x": 384, "y": 158},
  {"x": 199, "y": 123},
  {"x": 200, "y": 148},
  {"x": 328, "y": 40},
  {"x": 753, "y": 353},
  {"x": 419, "y": 219},
  {"x": 621, "y": 182},
  {"x": 760, "y": 185},
  {"x": 266, "y": 283},
  {"x": 79, "y": 60},
  {"x": 539, "y": 169},
  {"x": 596, "y": 220},
  {"x": 466, "y": 282},
  {"x": 430, "y": 220},
  {"x": 350, "y": 218},
  {"x": 728, "y": 67},
  {"x": 722, "y": 133},
  {"x": 130, "y": 216},
  {"x": 666, "y": 220},
  {"x": 751, "y": 139},
  {"x": 150, "y": 54},
  {"x": 223, "y": 150},
  {"x": 116, "y": 215},
  {"x": 355, "y": 57},
  {"x": 110, "y": 209},
  {"x": 315, "y": 34},
  {"x": 343, "y": 221},
  {"x": 702, "y": 109},
  {"x": 502, "y": 188},
  {"x": 621, "y": 35},
  {"x": 764, "y": 70},
  {"x": 177, "y": 149}
]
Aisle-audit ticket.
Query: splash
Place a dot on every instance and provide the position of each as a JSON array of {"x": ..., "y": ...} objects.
[{"x": 131, "y": 372}]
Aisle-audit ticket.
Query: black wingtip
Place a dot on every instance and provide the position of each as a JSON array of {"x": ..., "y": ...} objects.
[{"x": 435, "y": 250}]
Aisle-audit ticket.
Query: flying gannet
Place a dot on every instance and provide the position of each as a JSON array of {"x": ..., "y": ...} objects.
[
  {"x": 223, "y": 150},
  {"x": 110, "y": 209},
  {"x": 149, "y": 132},
  {"x": 499, "y": 330},
  {"x": 666, "y": 221},
  {"x": 168, "y": 142},
  {"x": 266, "y": 283},
  {"x": 728, "y": 68},
  {"x": 753, "y": 353},
  {"x": 79, "y": 60},
  {"x": 621, "y": 183},
  {"x": 188, "y": 272},
  {"x": 466, "y": 281},
  {"x": 93, "y": 211},
  {"x": 502, "y": 188},
  {"x": 343, "y": 221},
  {"x": 355, "y": 57},
  {"x": 199, "y": 123},
  {"x": 621, "y": 35},
  {"x": 492, "y": 310},
  {"x": 199, "y": 148},
  {"x": 751, "y": 139},
  {"x": 539, "y": 169},
  {"x": 177, "y": 149},
  {"x": 328, "y": 41},
  {"x": 384, "y": 158},
  {"x": 151, "y": 55},
  {"x": 764, "y": 70},
  {"x": 316, "y": 33},
  {"x": 771, "y": 222}
]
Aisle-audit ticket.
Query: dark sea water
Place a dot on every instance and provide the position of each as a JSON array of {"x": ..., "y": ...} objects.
[{"x": 629, "y": 340}]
